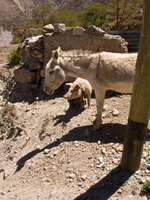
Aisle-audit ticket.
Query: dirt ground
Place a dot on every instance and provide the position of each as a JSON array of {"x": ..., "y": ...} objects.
[{"x": 48, "y": 149}]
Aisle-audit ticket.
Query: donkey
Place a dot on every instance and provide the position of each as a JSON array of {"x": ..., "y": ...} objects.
[{"x": 103, "y": 70}]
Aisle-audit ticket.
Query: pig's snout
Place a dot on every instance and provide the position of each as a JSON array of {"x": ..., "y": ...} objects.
[{"x": 66, "y": 96}]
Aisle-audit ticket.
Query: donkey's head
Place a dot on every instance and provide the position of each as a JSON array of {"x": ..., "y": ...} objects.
[{"x": 54, "y": 74}]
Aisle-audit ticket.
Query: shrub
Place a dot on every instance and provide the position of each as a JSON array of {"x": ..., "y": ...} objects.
[
  {"x": 113, "y": 26},
  {"x": 17, "y": 40},
  {"x": 94, "y": 14},
  {"x": 135, "y": 25},
  {"x": 145, "y": 191},
  {"x": 14, "y": 56}
]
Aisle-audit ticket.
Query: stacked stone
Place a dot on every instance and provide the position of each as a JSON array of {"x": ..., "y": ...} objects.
[{"x": 32, "y": 54}]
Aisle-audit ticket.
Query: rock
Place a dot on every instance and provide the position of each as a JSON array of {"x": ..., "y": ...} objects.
[
  {"x": 2, "y": 193},
  {"x": 105, "y": 108},
  {"x": 103, "y": 150},
  {"x": 35, "y": 40},
  {"x": 71, "y": 175},
  {"x": 80, "y": 184},
  {"x": 34, "y": 64},
  {"x": 145, "y": 154},
  {"x": 99, "y": 142},
  {"x": 55, "y": 153},
  {"x": 98, "y": 30},
  {"x": 27, "y": 48},
  {"x": 46, "y": 151},
  {"x": 84, "y": 177},
  {"x": 90, "y": 29},
  {"x": 6, "y": 174},
  {"x": 100, "y": 159},
  {"x": 58, "y": 27},
  {"x": 42, "y": 73},
  {"x": 104, "y": 115},
  {"x": 148, "y": 166},
  {"x": 24, "y": 76},
  {"x": 26, "y": 57},
  {"x": 39, "y": 46},
  {"x": 44, "y": 168},
  {"x": 101, "y": 165},
  {"x": 115, "y": 112},
  {"x": 37, "y": 54},
  {"x": 93, "y": 29},
  {"x": 78, "y": 31},
  {"x": 49, "y": 28}
]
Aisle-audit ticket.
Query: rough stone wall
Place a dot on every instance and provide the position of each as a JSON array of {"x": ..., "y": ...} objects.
[
  {"x": 92, "y": 38},
  {"x": 36, "y": 51}
]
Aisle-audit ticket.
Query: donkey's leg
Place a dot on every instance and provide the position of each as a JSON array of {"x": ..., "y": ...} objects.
[{"x": 100, "y": 96}]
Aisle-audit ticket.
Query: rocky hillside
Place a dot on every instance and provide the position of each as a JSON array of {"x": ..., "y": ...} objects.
[{"x": 18, "y": 10}]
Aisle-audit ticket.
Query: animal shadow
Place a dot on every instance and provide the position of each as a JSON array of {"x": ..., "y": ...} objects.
[{"x": 73, "y": 110}]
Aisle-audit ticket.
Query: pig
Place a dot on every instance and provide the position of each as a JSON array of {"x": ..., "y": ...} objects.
[{"x": 82, "y": 89}]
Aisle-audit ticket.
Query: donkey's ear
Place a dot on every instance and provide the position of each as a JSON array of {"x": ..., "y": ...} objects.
[
  {"x": 77, "y": 86},
  {"x": 55, "y": 55}
]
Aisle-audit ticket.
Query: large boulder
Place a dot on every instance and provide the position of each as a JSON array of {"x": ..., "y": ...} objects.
[{"x": 23, "y": 75}]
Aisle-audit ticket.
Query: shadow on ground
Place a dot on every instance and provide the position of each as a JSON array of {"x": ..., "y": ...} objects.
[
  {"x": 107, "y": 186},
  {"x": 77, "y": 134},
  {"x": 30, "y": 92}
]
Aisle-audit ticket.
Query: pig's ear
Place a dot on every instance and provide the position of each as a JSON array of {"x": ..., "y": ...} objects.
[
  {"x": 77, "y": 86},
  {"x": 68, "y": 84}
]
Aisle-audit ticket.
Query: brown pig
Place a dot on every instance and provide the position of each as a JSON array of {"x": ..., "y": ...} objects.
[{"x": 82, "y": 89}]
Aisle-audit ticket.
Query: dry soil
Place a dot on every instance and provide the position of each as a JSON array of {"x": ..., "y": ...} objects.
[{"x": 48, "y": 149}]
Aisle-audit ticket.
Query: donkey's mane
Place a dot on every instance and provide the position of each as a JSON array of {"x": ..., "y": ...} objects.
[{"x": 75, "y": 53}]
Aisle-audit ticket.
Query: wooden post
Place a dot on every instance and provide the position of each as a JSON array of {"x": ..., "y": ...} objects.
[{"x": 140, "y": 101}]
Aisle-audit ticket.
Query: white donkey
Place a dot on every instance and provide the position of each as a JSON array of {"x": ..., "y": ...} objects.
[{"x": 104, "y": 71}]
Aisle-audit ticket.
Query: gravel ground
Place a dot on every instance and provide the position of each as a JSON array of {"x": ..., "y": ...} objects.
[{"x": 48, "y": 150}]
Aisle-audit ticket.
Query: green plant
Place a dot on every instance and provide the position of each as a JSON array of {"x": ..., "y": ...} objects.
[
  {"x": 17, "y": 40},
  {"x": 135, "y": 25},
  {"x": 43, "y": 129},
  {"x": 145, "y": 190},
  {"x": 14, "y": 56},
  {"x": 125, "y": 11},
  {"x": 94, "y": 14},
  {"x": 133, "y": 192},
  {"x": 113, "y": 26},
  {"x": 41, "y": 13},
  {"x": 69, "y": 17},
  {"x": 23, "y": 125},
  {"x": 64, "y": 124}
]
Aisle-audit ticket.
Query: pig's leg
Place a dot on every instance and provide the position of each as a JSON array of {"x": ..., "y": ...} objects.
[
  {"x": 89, "y": 99},
  {"x": 82, "y": 102}
]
